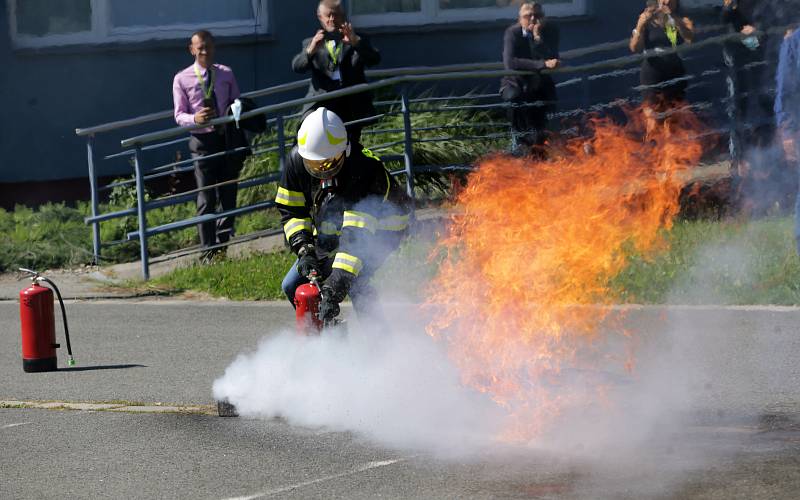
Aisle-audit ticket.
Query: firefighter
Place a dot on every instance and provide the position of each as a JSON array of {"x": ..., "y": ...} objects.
[{"x": 341, "y": 211}]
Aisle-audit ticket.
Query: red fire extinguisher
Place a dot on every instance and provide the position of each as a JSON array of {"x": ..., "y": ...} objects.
[
  {"x": 38, "y": 325},
  {"x": 306, "y": 300}
]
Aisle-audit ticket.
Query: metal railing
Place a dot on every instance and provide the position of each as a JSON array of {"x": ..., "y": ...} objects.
[{"x": 400, "y": 80}]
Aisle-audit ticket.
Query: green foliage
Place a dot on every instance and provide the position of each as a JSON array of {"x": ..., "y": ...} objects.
[
  {"x": 254, "y": 278},
  {"x": 52, "y": 236},
  {"x": 727, "y": 262},
  {"x": 465, "y": 138},
  {"x": 55, "y": 235},
  {"x": 706, "y": 263}
]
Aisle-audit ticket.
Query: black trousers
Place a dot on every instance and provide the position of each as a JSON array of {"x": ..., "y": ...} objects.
[
  {"x": 529, "y": 123},
  {"x": 210, "y": 172}
]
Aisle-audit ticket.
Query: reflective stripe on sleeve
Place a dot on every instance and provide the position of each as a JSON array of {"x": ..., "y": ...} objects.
[
  {"x": 329, "y": 229},
  {"x": 290, "y": 198},
  {"x": 296, "y": 225},
  {"x": 361, "y": 220},
  {"x": 393, "y": 223},
  {"x": 347, "y": 262}
]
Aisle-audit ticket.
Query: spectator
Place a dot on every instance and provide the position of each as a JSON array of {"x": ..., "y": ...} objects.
[
  {"x": 661, "y": 27},
  {"x": 337, "y": 56},
  {"x": 201, "y": 92},
  {"x": 787, "y": 109},
  {"x": 761, "y": 176},
  {"x": 530, "y": 44},
  {"x": 342, "y": 214}
]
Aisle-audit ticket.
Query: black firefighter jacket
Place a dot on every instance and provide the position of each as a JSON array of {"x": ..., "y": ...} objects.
[
  {"x": 357, "y": 223},
  {"x": 350, "y": 62}
]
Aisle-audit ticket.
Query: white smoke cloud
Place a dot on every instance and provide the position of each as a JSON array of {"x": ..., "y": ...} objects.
[{"x": 395, "y": 387}]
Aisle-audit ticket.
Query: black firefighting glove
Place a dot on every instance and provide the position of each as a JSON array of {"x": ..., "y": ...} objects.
[
  {"x": 307, "y": 262},
  {"x": 328, "y": 307},
  {"x": 333, "y": 292}
]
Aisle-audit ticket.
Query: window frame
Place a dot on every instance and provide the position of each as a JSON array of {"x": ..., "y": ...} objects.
[
  {"x": 103, "y": 31},
  {"x": 430, "y": 13}
]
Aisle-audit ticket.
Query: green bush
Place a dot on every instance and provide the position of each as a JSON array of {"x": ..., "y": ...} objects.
[{"x": 55, "y": 235}]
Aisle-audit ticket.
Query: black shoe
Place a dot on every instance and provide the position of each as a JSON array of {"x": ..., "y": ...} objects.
[{"x": 226, "y": 409}]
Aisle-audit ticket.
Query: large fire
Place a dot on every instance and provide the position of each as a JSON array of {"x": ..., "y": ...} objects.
[{"x": 525, "y": 283}]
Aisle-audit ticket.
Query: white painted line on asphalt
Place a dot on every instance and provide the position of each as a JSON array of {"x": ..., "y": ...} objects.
[
  {"x": 9, "y": 426},
  {"x": 284, "y": 489}
]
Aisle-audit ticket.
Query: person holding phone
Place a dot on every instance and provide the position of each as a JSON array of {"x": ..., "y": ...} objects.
[
  {"x": 337, "y": 56},
  {"x": 530, "y": 44},
  {"x": 661, "y": 27},
  {"x": 202, "y": 92}
]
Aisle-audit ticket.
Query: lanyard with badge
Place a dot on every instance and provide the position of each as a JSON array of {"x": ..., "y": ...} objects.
[
  {"x": 334, "y": 51},
  {"x": 207, "y": 92}
]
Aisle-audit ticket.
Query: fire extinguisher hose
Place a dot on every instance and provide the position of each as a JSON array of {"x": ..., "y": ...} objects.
[{"x": 71, "y": 361}]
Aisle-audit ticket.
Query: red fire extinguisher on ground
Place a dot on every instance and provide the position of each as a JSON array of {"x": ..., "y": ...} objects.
[
  {"x": 306, "y": 301},
  {"x": 38, "y": 325}
]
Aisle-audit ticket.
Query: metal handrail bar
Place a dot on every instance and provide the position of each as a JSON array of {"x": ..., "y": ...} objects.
[
  {"x": 130, "y": 152},
  {"x": 460, "y": 138},
  {"x": 162, "y": 115},
  {"x": 610, "y": 63},
  {"x": 192, "y": 221},
  {"x": 178, "y": 199},
  {"x": 237, "y": 181},
  {"x": 377, "y": 73}
]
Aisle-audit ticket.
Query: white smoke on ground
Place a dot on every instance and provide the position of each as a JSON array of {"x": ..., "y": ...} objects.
[
  {"x": 397, "y": 388},
  {"x": 650, "y": 433}
]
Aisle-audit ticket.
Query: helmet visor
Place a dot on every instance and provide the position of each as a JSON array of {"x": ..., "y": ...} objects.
[{"x": 324, "y": 169}]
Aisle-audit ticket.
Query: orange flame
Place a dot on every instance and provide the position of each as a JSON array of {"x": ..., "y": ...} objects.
[{"x": 524, "y": 286}]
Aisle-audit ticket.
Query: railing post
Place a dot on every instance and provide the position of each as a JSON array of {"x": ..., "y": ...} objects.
[
  {"x": 586, "y": 92},
  {"x": 281, "y": 141},
  {"x": 94, "y": 198},
  {"x": 408, "y": 148},
  {"x": 142, "y": 212},
  {"x": 732, "y": 110}
]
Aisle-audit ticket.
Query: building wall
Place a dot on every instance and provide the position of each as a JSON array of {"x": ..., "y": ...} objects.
[{"x": 49, "y": 93}]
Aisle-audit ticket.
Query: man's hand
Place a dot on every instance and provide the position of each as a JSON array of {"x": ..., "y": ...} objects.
[
  {"x": 537, "y": 31},
  {"x": 748, "y": 29},
  {"x": 328, "y": 307},
  {"x": 204, "y": 115},
  {"x": 312, "y": 46},
  {"x": 551, "y": 63},
  {"x": 307, "y": 262},
  {"x": 348, "y": 35}
]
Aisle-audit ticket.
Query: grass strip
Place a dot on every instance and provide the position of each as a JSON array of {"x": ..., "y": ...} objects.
[{"x": 729, "y": 263}]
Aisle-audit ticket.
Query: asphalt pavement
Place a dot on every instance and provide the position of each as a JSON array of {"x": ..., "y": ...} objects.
[{"x": 742, "y": 439}]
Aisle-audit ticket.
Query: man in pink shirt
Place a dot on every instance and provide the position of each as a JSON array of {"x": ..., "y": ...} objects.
[{"x": 201, "y": 92}]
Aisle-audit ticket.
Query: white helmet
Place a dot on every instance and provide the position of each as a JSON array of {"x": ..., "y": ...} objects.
[{"x": 322, "y": 142}]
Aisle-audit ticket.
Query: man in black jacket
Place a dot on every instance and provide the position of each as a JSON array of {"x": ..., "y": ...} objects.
[
  {"x": 530, "y": 44},
  {"x": 342, "y": 214},
  {"x": 336, "y": 56}
]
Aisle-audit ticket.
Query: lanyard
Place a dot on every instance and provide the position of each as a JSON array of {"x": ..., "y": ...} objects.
[
  {"x": 672, "y": 33},
  {"x": 334, "y": 50},
  {"x": 206, "y": 91}
]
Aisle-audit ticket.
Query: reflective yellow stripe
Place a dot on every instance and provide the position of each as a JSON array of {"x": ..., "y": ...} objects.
[
  {"x": 347, "y": 262},
  {"x": 329, "y": 228},
  {"x": 388, "y": 185},
  {"x": 290, "y": 198},
  {"x": 393, "y": 223},
  {"x": 360, "y": 219},
  {"x": 296, "y": 225}
]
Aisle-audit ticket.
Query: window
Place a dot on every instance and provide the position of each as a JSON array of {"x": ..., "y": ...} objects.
[
  {"x": 413, "y": 12},
  {"x": 44, "y": 23}
]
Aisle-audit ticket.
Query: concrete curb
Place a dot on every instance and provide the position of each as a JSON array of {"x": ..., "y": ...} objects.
[{"x": 115, "y": 407}]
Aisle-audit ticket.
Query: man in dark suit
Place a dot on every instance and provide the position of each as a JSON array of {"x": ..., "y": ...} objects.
[
  {"x": 336, "y": 56},
  {"x": 530, "y": 44}
]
